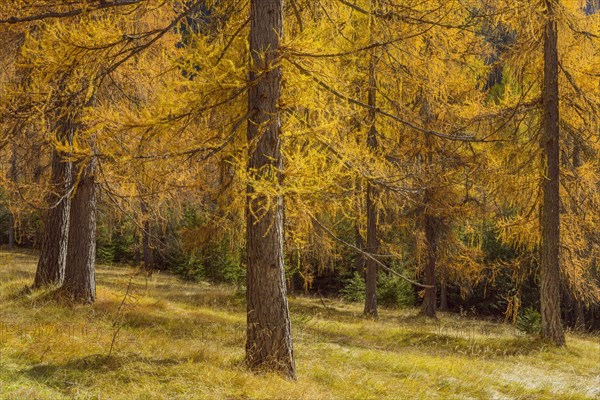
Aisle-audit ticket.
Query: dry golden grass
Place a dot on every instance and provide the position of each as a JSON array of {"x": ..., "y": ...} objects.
[{"x": 185, "y": 341}]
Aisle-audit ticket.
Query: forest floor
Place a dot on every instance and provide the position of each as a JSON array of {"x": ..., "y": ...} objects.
[{"x": 176, "y": 340}]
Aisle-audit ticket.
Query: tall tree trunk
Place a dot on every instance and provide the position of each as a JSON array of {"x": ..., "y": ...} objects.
[
  {"x": 430, "y": 226},
  {"x": 550, "y": 212},
  {"x": 579, "y": 307},
  {"x": 269, "y": 333},
  {"x": 372, "y": 248},
  {"x": 53, "y": 254},
  {"x": 80, "y": 273},
  {"x": 371, "y": 198},
  {"x": 429, "y": 300},
  {"x": 13, "y": 178}
]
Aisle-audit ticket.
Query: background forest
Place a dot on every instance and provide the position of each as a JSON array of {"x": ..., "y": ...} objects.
[{"x": 397, "y": 153}]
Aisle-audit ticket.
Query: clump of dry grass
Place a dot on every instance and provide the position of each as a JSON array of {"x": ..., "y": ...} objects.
[{"x": 173, "y": 340}]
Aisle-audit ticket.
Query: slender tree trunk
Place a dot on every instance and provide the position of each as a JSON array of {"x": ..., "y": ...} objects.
[
  {"x": 13, "y": 177},
  {"x": 136, "y": 253},
  {"x": 430, "y": 226},
  {"x": 550, "y": 212},
  {"x": 579, "y": 316},
  {"x": 53, "y": 254},
  {"x": 80, "y": 274},
  {"x": 429, "y": 300},
  {"x": 147, "y": 252},
  {"x": 371, "y": 198},
  {"x": 11, "y": 231},
  {"x": 269, "y": 334},
  {"x": 444, "y": 291},
  {"x": 359, "y": 261},
  {"x": 372, "y": 248},
  {"x": 578, "y": 305}
]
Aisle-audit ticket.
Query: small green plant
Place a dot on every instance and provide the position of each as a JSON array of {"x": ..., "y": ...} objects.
[
  {"x": 393, "y": 291},
  {"x": 529, "y": 321},
  {"x": 354, "y": 288},
  {"x": 189, "y": 268}
]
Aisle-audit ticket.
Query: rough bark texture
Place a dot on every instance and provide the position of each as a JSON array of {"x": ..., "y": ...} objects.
[
  {"x": 269, "y": 337},
  {"x": 80, "y": 274},
  {"x": 372, "y": 242},
  {"x": 550, "y": 212},
  {"x": 429, "y": 300},
  {"x": 53, "y": 254}
]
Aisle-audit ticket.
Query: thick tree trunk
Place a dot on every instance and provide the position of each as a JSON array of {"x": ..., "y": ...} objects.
[
  {"x": 269, "y": 336},
  {"x": 429, "y": 300},
  {"x": 80, "y": 274},
  {"x": 550, "y": 212},
  {"x": 53, "y": 254}
]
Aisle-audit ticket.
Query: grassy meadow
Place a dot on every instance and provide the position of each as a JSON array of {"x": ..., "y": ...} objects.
[{"x": 161, "y": 338}]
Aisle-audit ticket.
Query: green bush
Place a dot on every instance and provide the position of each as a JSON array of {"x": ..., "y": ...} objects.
[
  {"x": 105, "y": 253},
  {"x": 222, "y": 263},
  {"x": 393, "y": 291},
  {"x": 529, "y": 320},
  {"x": 354, "y": 288},
  {"x": 189, "y": 267}
]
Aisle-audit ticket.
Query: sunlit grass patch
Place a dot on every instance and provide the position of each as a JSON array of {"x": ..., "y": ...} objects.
[{"x": 175, "y": 340}]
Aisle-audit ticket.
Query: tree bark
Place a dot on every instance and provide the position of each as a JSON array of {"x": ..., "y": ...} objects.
[
  {"x": 53, "y": 254},
  {"x": 269, "y": 337},
  {"x": 80, "y": 274},
  {"x": 444, "y": 291},
  {"x": 371, "y": 198},
  {"x": 372, "y": 248},
  {"x": 13, "y": 175},
  {"x": 550, "y": 210}
]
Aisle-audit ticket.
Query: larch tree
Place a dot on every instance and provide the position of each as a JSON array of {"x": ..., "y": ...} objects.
[
  {"x": 269, "y": 337},
  {"x": 550, "y": 209},
  {"x": 372, "y": 245},
  {"x": 561, "y": 99},
  {"x": 53, "y": 253}
]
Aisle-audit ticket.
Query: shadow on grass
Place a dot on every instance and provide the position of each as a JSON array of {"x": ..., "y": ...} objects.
[
  {"x": 432, "y": 341},
  {"x": 81, "y": 371}
]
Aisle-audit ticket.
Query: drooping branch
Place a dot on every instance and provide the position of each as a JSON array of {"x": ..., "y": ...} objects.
[{"x": 100, "y": 4}]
